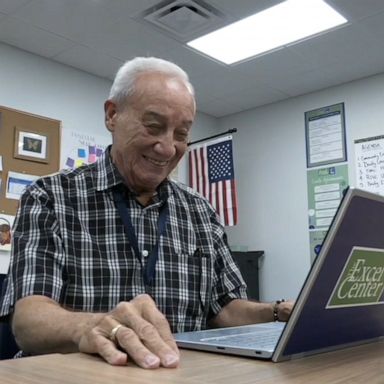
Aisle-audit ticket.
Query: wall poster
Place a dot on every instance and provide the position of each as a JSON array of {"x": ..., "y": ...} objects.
[
  {"x": 325, "y": 135},
  {"x": 369, "y": 164},
  {"x": 326, "y": 187}
]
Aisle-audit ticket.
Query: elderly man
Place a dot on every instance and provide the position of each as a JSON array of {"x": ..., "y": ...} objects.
[{"x": 113, "y": 257}]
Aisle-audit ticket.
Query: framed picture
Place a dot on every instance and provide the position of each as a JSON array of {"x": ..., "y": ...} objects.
[{"x": 30, "y": 146}]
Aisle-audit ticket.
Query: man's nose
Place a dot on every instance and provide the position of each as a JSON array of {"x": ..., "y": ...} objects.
[{"x": 166, "y": 145}]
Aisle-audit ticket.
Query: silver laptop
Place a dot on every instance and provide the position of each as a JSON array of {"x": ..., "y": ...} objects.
[{"x": 341, "y": 303}]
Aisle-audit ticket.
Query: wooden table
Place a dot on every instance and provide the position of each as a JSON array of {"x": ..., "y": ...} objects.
[{"x": 363, "y": 364}]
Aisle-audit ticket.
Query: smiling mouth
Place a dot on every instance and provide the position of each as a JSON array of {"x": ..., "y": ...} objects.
[{"x": 155, "y": 162}]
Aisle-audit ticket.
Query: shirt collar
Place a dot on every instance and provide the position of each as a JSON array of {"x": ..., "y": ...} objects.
[{"x": 106, "y": 174}]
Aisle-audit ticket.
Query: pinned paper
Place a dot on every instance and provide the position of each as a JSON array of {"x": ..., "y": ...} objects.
[{"x": 16, "y": 183}]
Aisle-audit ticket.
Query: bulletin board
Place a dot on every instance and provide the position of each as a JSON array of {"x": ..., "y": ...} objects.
[{"x": 29, "y": 148}]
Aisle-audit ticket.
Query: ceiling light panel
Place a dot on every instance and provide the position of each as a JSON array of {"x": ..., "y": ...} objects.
[{"x": 278, "y": 26}]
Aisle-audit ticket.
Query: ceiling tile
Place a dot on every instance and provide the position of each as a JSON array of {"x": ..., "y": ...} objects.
[
  {"x": 216, "y": 107},
  {"x": 282, "y": 62},
  {"x": 357, "y": 9},
  {"x": 9, "y": 6},
  {"x": 69, "y": 18},
  {"x": 243, "y": 8},
  {"x": 367, "y": 66},
  {"x": 301, "y": 83},
  {"x": 373, "y": 25},
  {"x": 90, "y": 61},
  {"x": 345, "y": 44},
  {"x": 128, "y": 9},
  {"x": 221, "y": 81},
  {"x": 29, "y": 38},
  {"x": 193, "y": 63},
  {"x": 259, "y": 94}
]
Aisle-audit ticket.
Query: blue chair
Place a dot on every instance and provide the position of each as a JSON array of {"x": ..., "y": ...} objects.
[{"x": 8, "y": 346}]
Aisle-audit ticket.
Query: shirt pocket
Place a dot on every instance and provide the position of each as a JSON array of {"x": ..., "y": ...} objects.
[{"x": 192, "y": 283}]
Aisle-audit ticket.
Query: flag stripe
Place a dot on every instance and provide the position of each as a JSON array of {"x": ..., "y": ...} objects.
[
  {"x": 234, "y": 201},
  {"x": 212, "y": 195},
  {"x": 226, "y": 207}
]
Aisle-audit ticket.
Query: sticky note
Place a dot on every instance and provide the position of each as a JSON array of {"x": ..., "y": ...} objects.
[
  {"x": 70, "y": 162},
  {"x": 81, "y": 153}
]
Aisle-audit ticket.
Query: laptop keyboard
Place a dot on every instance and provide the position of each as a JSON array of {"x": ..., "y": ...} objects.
[{"x": 259, "y": 339}]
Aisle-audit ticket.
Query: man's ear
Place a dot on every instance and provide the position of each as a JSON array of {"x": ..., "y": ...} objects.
[{"x": 110, "y": 113}]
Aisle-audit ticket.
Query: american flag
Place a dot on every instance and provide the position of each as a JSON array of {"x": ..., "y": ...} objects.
[{"x": 211, "y": 174}]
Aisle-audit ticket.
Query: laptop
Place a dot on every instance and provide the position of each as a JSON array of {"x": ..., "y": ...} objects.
[{"x": 341, "y": 303}]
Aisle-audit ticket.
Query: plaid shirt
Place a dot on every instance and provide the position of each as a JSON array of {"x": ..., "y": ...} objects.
[{"x": 70, "y": 244}]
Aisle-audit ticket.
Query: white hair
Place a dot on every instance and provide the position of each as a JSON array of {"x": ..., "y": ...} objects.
[{"x": 124, "y": 84}]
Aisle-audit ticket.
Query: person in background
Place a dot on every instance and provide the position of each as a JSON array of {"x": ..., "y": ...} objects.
[{"x": 112, "y": 258}]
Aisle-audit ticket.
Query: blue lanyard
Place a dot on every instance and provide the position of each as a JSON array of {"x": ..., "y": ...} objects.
[{"x": 149, "y": 271}]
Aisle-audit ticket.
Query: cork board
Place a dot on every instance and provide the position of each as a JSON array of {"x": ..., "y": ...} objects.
[{"x": 29, "y": 145}]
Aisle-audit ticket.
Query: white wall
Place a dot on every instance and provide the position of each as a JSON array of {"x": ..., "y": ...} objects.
[
  {"x": 33, "y": 84},
  {"x": 270, "y": 168},
  {"x": 36, "y": 85}
]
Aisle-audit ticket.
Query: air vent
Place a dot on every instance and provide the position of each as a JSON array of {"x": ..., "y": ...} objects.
[{"x": 184, "y": 19}]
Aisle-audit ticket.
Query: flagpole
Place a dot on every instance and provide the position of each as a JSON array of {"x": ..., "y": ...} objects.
[{"x": 232, "y": 130}]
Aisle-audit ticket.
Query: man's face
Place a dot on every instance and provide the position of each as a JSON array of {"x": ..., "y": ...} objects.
[{"x": 150, "y": 132}]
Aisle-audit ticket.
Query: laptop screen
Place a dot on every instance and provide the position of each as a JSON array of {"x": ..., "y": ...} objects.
[{"x": 345, "y": 303}]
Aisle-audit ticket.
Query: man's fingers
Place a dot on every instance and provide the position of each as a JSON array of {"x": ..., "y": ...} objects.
[
  {"x": 109, "y": 352},
  {"x": 285, "y": 309},
  {"x": 151, "y": 313},
  {"x": 160, "y": 345},
  {"x": 153, "y": 345},
  {"x": 128, "y": 340},
  {"x": 97, "y": 342}
]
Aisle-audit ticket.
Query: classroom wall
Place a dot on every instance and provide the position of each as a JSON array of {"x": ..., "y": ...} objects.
[
  {"x": 36, "y": 85},
  {"x": 270, "y": 168},
  {"x": 269, "y": 150}
]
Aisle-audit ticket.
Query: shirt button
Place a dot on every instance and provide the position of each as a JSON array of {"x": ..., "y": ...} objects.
[{"x": 144, "y": 253}]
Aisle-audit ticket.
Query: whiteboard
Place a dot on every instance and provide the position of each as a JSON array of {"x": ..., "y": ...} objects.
[{"x": 369, "y": 164}]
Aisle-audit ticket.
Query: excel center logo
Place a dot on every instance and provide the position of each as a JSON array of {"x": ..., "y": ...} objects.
[{"x": 362, "y": 280}]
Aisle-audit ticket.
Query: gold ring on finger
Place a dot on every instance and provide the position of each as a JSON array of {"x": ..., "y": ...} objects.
[{"x": 112, "y": 335}]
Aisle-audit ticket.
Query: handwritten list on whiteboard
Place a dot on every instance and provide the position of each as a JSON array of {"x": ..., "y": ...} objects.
[{"x": 369, "y": 154}]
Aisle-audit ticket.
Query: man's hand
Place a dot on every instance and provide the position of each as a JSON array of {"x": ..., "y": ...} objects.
[
  {"x": 284, "y": 309},
  {"x": 243, "y": 312},
  {"x": 144, "y": 336}
]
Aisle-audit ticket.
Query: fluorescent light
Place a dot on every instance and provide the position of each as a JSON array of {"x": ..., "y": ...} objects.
[{"x": 274, "y": 27}]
